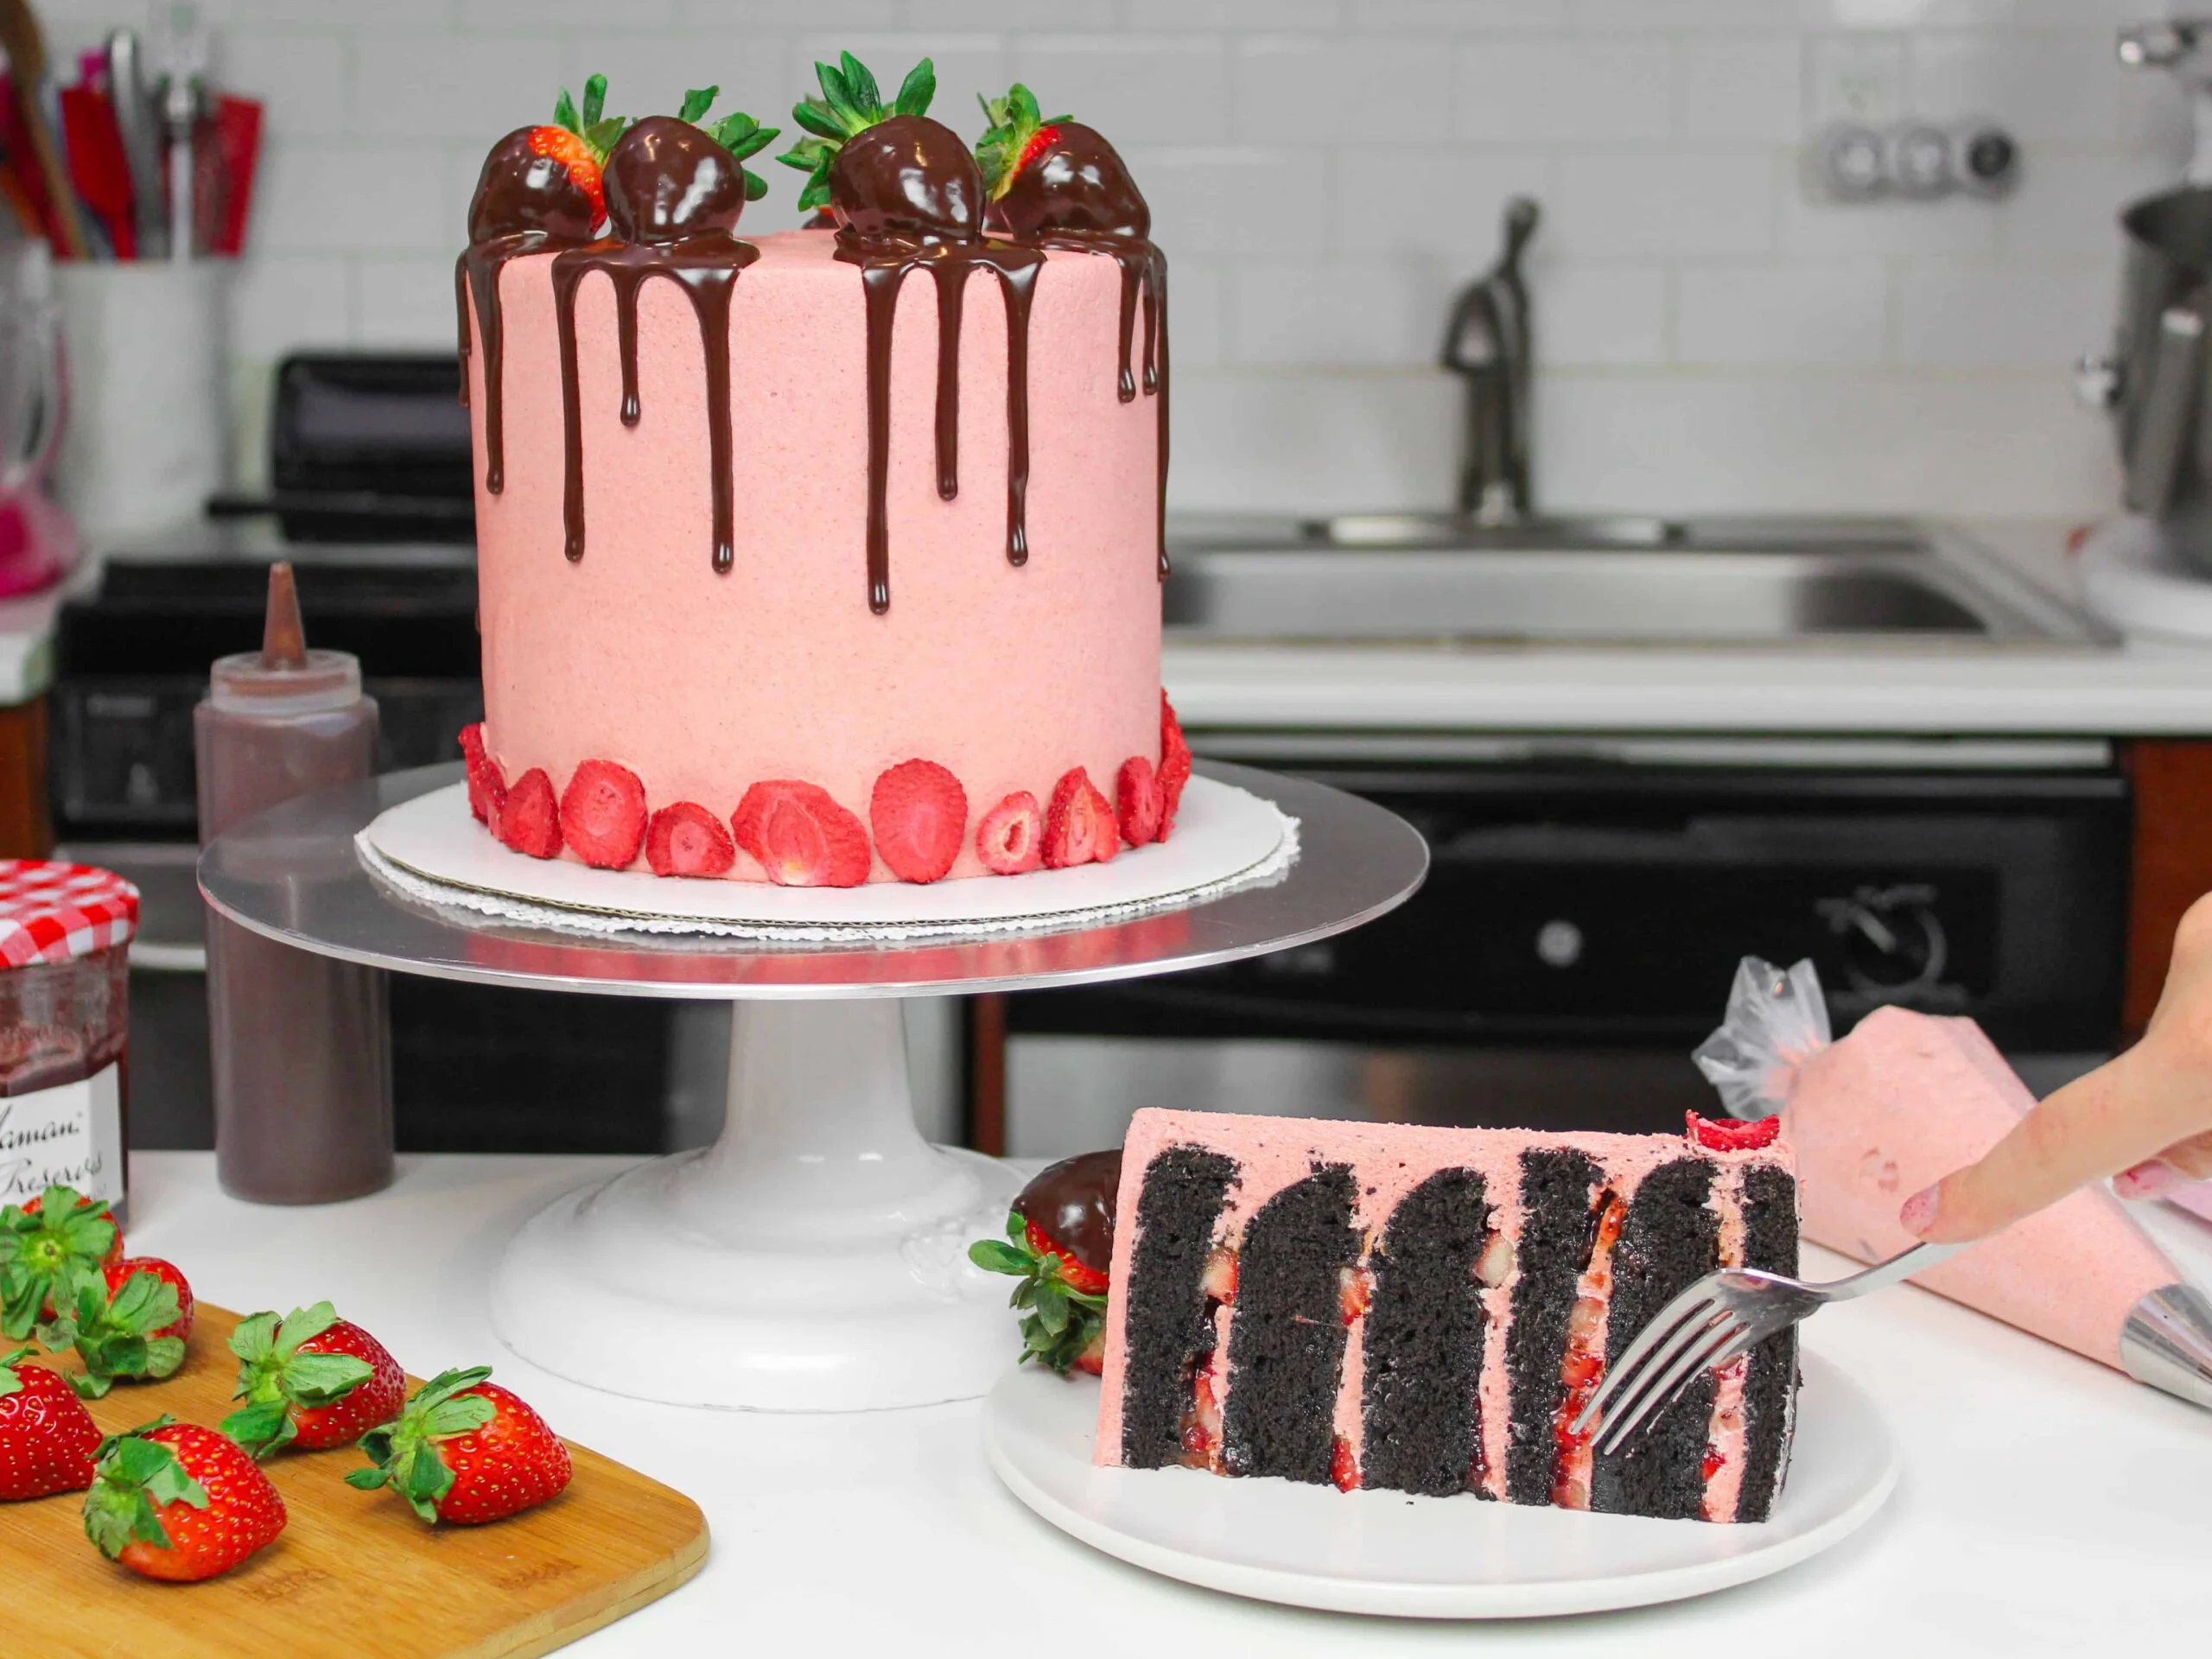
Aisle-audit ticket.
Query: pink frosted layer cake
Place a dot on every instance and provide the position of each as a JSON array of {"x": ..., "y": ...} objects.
[
  {"x": 1427, "y": 1309},
  {"x": 1906, "y": 1099},
  {"x": 831, "y": 556}
]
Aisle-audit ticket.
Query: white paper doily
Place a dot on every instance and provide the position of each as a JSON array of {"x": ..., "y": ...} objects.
[{"x": 431, "y": 848}]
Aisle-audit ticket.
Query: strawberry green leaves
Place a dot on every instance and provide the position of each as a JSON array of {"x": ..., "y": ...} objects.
[
  {"x": 405, "y": 1453},
  {"x": 850, "y": 103},
  {"x": 598, "y": 130},
  {"x": 1062, "y": 1324},
  {"x": 43, "y": 1247},
  {"x": 736, "y": 132},
  {"x": 1016, "y": 120},
  {"x": 274, "y": 1376},
  {"x": 114, "y": 1334},
  {"x": 133, "y": 1479}
]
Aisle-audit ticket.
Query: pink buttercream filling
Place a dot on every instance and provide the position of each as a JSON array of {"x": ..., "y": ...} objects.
[{"x": 1726, "y": 1437}]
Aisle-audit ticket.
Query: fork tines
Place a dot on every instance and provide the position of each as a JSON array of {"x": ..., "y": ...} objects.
[{"x": 1693, "y": 1334}]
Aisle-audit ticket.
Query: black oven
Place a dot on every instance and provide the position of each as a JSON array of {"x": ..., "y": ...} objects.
[{"x": 1586, "y": 907}]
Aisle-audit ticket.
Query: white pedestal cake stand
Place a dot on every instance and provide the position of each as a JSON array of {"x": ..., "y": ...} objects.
[{"x": 815, "y": 1257}]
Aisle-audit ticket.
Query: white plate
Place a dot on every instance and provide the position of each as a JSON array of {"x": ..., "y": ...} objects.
[
  {"x": 1224, "y": 837},
  {"x": 1380, "y": 1552}
]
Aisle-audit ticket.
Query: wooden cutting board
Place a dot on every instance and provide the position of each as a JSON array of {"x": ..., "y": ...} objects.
[{"x": 353, "y": 1572}]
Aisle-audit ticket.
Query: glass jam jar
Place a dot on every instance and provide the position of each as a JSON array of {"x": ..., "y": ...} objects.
[{"x": 64, "y": 1027}]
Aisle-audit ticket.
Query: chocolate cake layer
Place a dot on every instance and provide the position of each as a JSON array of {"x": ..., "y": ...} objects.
[
  {"x": 1771, "y": 1382},
  {"x": 1169, "y": 1331},
  {"x": 1420, "y": 1412},
  {"x": 1670, "y": 1238},
  {"x": 1559, "y": 1226},
  {"x": 1287, "y": 1340}
]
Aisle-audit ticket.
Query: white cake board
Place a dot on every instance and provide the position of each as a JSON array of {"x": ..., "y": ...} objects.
[
  {"x": 1383, "y": 1551},
  {"x": 2132, "y": 579},
  {"x": 1224, "y": 837}
]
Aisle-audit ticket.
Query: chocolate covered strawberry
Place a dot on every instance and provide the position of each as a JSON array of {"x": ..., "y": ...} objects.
[
  {"x": 127, "y": 1321},
  {"x": 1054, "y": 177},
  {"x": 44, "y": 1244},
  {"x": 466, "y": 1450},
  {"x": 311, "y": 1380},
  {"x": 800, "y": 836},
  {"x": 46, "y": 1437},
  {"x": 175, "y": 1501},
  {"x": 887, "y": 173},
  {"x": 920, "y": 816},
  {"x": 547, "y": 180},
  {"x": 1060, "y": 1244}
]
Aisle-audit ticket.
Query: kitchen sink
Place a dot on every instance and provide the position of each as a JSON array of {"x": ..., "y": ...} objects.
[{"x": 1619, "y": 581}]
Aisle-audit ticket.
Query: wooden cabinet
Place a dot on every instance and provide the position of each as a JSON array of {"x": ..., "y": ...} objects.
[
  {"x": 26, "y": 831},
  {"x": 2172, "y": 864}
]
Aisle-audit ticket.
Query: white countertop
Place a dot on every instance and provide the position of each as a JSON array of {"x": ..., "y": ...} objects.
[{"x": 2049, "y": 1506}]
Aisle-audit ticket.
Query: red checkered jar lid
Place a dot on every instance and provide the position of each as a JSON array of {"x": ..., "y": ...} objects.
[{"x": 57, "y": 912}]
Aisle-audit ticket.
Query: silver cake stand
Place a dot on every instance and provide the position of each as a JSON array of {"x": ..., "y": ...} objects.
[{"x": 814, "y": 1258}]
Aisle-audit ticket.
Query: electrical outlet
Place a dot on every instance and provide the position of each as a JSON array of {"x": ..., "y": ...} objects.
[{"x": 1912, "y": 160}]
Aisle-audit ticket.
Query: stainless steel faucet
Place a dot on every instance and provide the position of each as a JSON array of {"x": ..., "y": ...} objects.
[{"x": 1488, "y": 343}]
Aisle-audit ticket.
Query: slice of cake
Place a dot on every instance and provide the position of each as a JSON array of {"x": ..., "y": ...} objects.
[
  {"x": 1425, "y": 1309},
  {"x": 829, "y": 555}
]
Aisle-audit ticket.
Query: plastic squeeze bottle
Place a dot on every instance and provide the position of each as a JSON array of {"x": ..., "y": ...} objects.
[{"x": 301, "y": 1044}]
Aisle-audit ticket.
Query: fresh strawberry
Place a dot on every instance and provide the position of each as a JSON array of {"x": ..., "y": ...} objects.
[
  {"x": 1726, "y": 1134},
  {"x": 311, "y": 1380},
  {"x": 46, "y": 1437},
  {"x": 487, "y": 789},
  {"x": 1174, "y": 765},
  {"x": 686, "y": 839},
  {"x": 801, "y": 836},
  {"x": 1010, "y": 838},
  {"x": 1355, "y": 1290},
  {"x": 128, "y": 1321},
  {"x": 178, "y": 1502},
  {"x": 1344, "y": 1467},
  {"x": 1064, "y": 1323},
  {"x": 465, "y": 1450},
  {"x": 43, "y": 1245},
  {"x": 529, "y": 818},
  {"x": 919, "y": 815},
  {"x": 1079, "y": 827},
  {"x": 603, "y": 815},
  {"x": 1137, "y": 801},
  {"x": 574, "y": 152}
]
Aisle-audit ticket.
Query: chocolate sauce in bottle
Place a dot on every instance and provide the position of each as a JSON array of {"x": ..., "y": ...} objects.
[{"x": 301, "y": 1044}]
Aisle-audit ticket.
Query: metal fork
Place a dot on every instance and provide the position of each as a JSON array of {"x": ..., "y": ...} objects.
[{"x": 1722, "y": 1315}]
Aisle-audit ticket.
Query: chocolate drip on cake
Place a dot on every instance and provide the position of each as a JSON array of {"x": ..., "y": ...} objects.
[
  {"x": 1770, "y": 1382},
  {"x": 1167, "y": 1329},
  {"x": 1670, "y": 1237},
  {"x": 1286, "y": 1341},
  {"x": 1077, "y": 193},
  {"x": 1418, "y": 1406},
  {"x": 706, "y": 268},
  {"x": 524, "y": 203},
  {"x": 1558, "y": 1229},
  {"x": 1073, "y": 1201}
]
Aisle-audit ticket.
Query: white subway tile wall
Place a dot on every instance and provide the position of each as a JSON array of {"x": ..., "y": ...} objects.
[{"x": 1324, "y": 174}]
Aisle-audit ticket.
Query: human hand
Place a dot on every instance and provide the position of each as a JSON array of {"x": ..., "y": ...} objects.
[{"x": 2144, "y": 1117}]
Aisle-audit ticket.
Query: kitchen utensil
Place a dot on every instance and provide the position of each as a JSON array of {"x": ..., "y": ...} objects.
[
  {"x": 1390, "y": 1554},
  {"x": 1488, "y": 343},
  {"x": 1720, "y": 1316},
  {"x": 99, "y": 167},
  {"x": 353, "y": 1572},
  {"x": 149, "y": 392},
  {"x": 37, "y": 543},
  {"x": 140, "y": 129},
  {"x": 26, "y": 51},
  {"x": 237, "y": 152}
]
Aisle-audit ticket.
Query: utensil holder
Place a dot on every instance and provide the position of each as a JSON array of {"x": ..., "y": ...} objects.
[{"x": 146, "y": 434}]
